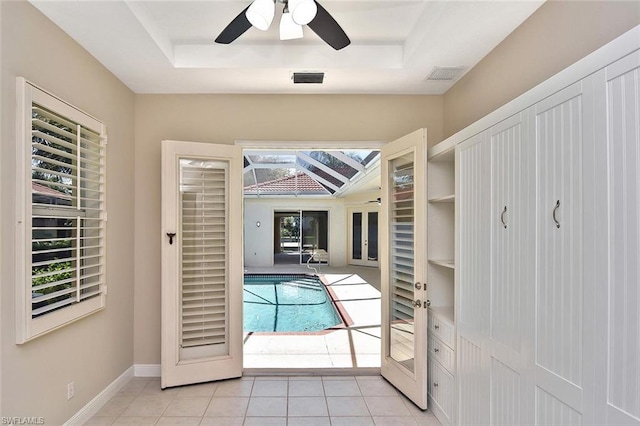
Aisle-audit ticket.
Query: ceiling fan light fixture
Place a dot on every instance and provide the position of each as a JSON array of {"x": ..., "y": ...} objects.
[
  {"x": 303, "y": 11},
  {"x": 260, "y": 14},
  {"x": 289, "y": 30}
]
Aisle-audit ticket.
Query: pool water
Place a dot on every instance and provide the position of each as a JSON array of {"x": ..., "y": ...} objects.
[{"x": 287, "y": 303}]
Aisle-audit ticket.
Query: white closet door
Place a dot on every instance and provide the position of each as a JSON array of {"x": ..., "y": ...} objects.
[
  {"x": 474, "y": 243},
  {"x": 512, "y": 269},
  {"x": 618, "y": 320},
  {"x": 559, "y": 353}
]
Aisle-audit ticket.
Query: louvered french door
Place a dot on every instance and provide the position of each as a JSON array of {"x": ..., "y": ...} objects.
[
  {"x": 402, "y": 259},
  {"x": 201, "y": 262}
]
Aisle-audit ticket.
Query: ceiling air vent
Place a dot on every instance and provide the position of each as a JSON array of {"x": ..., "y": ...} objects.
[
  {"x": 308, "y": 77},
  {"x": 445, "y": 73}
]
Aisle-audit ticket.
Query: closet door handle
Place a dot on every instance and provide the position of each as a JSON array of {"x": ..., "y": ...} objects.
[
  {"x": 502, "y": 217},
  {"x": 555, "y": 209}
]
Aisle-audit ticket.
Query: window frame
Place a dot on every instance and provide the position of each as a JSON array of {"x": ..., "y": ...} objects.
[{"x": 27, "y": 327}]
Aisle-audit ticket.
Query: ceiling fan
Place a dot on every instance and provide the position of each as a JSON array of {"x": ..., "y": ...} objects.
[{"x": 295, "y": 14}]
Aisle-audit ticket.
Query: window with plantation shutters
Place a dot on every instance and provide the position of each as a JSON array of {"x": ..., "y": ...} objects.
[
  {"x": 203, "y": 193},
  {"x": 62, "y": 240}
]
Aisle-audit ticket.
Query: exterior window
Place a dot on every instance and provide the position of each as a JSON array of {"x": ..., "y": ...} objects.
[{"x": 62, "y": 216}]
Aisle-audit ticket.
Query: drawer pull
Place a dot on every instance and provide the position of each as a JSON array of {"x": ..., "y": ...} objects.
[{"x": 436, "y": 350}]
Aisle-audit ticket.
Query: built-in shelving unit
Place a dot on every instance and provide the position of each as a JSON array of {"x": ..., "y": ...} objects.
[
  {"x": 441, "y": 226},
  {"x": 441, "y": 280}
]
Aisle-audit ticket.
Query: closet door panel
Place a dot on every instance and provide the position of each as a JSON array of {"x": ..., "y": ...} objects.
[
  {"x": 512, "y": 228},
  {"x": 505, "y": 394},
  {"x": 506, "y": 155},
  {"x": 472, "y": 384},
  {"x": 512, "y": 266},
  {"x": 623, "y": 321},
  {"x": 474, "y": 242},
  {"x": 552, "y": 411},
  {"x": 559, "y": 280},
  {"x": 474, "y": 190}
]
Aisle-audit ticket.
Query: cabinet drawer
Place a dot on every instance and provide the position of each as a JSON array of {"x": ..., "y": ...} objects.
[
  {"x": 441, "y": 352},
  {"x": 442, "y": 329},
  {"x": 441, "y": 389}
]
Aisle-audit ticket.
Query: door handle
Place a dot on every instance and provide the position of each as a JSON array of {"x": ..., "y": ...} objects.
[
  {"x": 502, "y": 217},
  {"x": 555, "y": 209},
  {"x": 171, "y": 235}
]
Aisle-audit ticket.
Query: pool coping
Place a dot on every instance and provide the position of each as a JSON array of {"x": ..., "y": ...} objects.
[{"x": 346, "y": 320}]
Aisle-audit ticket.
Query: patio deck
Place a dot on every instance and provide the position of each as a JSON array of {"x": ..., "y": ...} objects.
[{"x": 355, "y": 347}]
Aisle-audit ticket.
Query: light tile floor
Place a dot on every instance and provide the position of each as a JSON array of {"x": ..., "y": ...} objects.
[{"x": 277, "y": 400}]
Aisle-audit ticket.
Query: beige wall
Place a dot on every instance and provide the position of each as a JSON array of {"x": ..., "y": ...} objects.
[
  {"x": 226, "y": 118},
  {"x": 258, "y": 247},
  {"x": 558, "y": 34},
  {"x": 94, "y": 351}
]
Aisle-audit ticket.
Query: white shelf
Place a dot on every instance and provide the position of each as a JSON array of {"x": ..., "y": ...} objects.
[
  {"x": 445, "y": 199},
  {"x": 445, "y": 263}
]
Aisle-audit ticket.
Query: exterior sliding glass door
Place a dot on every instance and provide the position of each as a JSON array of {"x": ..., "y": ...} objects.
[{"x": 301, "y": 237}]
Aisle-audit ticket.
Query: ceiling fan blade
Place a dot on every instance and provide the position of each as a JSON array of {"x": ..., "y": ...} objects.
[
  {"x": 328, "y": 29},
  {"x": 235, "y": 29}
]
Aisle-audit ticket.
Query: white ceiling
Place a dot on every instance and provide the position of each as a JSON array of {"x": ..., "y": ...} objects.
[{"x": 167, "y": 46}]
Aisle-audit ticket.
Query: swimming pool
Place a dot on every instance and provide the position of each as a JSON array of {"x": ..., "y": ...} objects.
[{"x": 287, "y": 303}]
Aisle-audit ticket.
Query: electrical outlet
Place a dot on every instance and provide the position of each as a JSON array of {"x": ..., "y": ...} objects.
[{"x": 70, "y": 390}]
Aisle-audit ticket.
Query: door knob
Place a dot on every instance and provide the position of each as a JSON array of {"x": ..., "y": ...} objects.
[{"x": 417, "y": 303}]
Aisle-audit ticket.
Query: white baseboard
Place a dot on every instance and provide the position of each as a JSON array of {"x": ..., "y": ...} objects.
[
  {"x": 146, "y": 370},
  {"x": 93, "y": 406}
]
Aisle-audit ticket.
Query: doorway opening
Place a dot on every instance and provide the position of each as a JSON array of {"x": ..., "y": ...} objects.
[
  {"x": 286, "y": 238},
  {"x": 298, "y": 235},
  {"x": 300, "y": 200},
  {"x": 363, "y": 238}
]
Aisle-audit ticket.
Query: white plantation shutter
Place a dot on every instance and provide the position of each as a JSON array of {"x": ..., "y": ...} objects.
[
  {"x": 402, "y": 238},
  {"x": 62, "y": 162},
  {"x": 402, "y": 262},
  {"x": 204, "y": 199}
]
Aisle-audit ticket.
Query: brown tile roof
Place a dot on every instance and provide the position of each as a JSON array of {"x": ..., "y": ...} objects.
[
  {"x": 43, "y": 189},
  {"x": 300, "y": 183}
]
